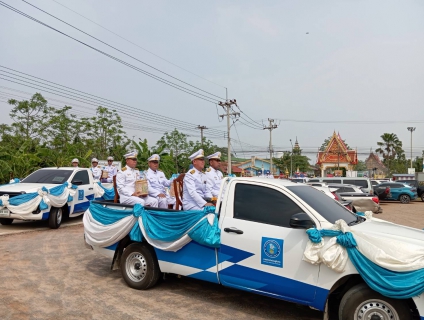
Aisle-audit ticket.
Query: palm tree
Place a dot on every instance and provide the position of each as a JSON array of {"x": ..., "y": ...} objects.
[
  {"x": 144, "y": 152},
  {"x": 389, "y": 147}
]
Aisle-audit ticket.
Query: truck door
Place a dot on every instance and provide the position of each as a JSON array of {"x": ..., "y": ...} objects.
[
  {"x": 259, "y": 251},
  {"x": 84, "y": 193}
]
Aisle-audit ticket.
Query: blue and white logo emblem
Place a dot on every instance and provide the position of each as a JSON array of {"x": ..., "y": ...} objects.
[
  {"x": 272, "y": 249},
  {"x": 272, "y": 252},
  {"x": 80, "y": 194}
]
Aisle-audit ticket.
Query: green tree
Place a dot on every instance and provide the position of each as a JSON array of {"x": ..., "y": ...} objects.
[
  {"x": 30, "y": 118},
  {"x": 287, "y": 160},
  {"x": 389, "y": 148},
  {"x": 166, "y": 163},
  {"x": 360, "y": 166},
  {"x": 176, "y": 144}
]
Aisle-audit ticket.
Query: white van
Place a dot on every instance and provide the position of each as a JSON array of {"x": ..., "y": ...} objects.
[{"x": 363, "y": 183}]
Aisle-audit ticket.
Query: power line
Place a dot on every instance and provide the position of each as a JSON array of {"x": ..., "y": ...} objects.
[
  {"x": 119, "y": 50},
  {"x": 167, "y": 82},
  {"x": 88, "y": 97},
  {"x": 152, "y": 53}
]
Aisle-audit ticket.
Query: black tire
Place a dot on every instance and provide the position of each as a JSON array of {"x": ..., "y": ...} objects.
[
  {"x": 422, "y": 196},
  {"x": 404, "y": 198},
  {"x": 139, "y": 266},
  {"x": 360, "y": 302},
  {"x": 55, "y": 217},
  {"x": 6, "y": 221}
]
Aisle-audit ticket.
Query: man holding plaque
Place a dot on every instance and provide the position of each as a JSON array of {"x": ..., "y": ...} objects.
[
  {"x": 158, "y": 183},
  {"x": 195, "y": 194},
  {"x": 109, "y": 171},
  {"x": 95, "y": 169},
  {"x": 126, "y": 180}
]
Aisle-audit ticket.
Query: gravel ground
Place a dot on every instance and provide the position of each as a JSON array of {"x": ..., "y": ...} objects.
[{"x": 49, "y": 274}]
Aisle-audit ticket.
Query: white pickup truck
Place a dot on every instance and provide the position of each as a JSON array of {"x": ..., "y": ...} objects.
[
  {"x": 49, "y": 178},
  {"x": 263, "y": 238}
]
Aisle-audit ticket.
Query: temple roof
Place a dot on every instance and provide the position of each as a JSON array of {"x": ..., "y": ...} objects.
[{"x": 337, "y": 151}]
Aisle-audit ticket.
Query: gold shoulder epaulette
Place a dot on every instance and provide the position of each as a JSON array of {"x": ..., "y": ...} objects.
[
  {"x": 160, "y": 170},
  {"x": 208, "y": 169},
  {"x": 124, "y": 168},
  {"x": 98, "y": 166},
  {"x": 192, "y": 171}
]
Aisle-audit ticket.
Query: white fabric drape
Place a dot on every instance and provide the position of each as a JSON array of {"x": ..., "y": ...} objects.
[{"x": 386, "y": 252}]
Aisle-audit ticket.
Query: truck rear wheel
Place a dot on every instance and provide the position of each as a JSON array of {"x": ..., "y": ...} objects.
[
  {"x": 404, "y": 198},
  {"x": 422, "y": 196},
  {"x": 361, "y": 302},
  {"x": 139, "y": 266},
  {"x": 6, "y": 221},
  {"x": 55, "y": 217}
]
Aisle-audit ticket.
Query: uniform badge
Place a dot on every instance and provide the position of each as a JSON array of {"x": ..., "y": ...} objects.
[{"x": 192, "y": 171}]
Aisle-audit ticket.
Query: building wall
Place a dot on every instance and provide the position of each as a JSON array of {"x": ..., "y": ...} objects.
[{"x": 258, "y": 163}]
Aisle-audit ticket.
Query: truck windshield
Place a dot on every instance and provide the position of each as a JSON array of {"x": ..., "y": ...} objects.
[
  {"x": 323, "y": 204},
  {"x": 48, "y": 176}
]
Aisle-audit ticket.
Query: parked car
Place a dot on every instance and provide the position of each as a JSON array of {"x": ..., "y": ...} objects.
[
  {"x": 360, "y": 182},
  {"x": 344, "y": 188},
  {"x": 382, "y": 192},
  {"x": 400, "y": 191},
  {"x": 376, "y": 182},
  {"x": 299, "y": 180},
  {"x": 317, "y": 184},
  {"x": 414, "y": 184}
]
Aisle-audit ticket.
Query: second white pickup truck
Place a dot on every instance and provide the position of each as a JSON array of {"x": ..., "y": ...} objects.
[{"x": 50, "y": 178}]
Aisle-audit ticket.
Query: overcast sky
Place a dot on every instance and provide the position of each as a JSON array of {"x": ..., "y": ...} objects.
[{"x": 296, "y": 61}]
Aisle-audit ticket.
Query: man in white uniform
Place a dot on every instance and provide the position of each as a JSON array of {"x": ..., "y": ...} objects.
[
  {"x": 75, "y": 162},
  {"x": 194, "y": 184},
  {"x": 95, "y": 169},
  {"x": 158, "y": 183},
  {"x": 125, "y": 183},
  {"x": 213, "y": 174},
  {"x": 111, "y": 169}
]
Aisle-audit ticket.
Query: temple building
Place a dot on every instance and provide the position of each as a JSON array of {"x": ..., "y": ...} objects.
[
  {"x": 336, "y": 156},
  {"x": 375, "y": 166}
]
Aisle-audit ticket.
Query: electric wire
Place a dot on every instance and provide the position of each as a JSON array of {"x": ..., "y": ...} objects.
[
  {"x": 129, "y": 41},
  {"x": 167, "y": 82},
  {"x": 119, "y": 50}
]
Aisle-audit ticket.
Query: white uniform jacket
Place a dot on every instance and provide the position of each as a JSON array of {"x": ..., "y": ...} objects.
[
  {"x": 194, "y": 190},
  {"x": 213, "y": 182},
  {"x": 112, "y": 171},
  {"x": 157, "y": 182},
  {"x": 97, "y": 172}
]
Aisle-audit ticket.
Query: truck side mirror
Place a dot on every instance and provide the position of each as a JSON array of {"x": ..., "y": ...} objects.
[
  {"x": 77, "y": 182},
  {"x": 301, "y": 220}
]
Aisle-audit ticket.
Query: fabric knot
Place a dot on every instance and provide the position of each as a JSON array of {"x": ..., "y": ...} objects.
[
  {"x": 209, "y": 209},
  {"x": 346, "y": 240},
  {"x": 314, "y": 235},
  {"x": 138, "y": 210},
  {"x": 43, "y": 192},
  {"x": 4, "y": 201}
]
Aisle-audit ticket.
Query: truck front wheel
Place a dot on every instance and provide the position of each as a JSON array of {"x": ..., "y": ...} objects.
[
  {"x": 55, "y": 217},
  {"x": 360, "y": 303},
  {"x": 6, "y": 221},
  {"x": 139, "y": 266}
]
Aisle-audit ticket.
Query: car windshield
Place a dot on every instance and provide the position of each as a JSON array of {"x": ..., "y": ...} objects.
[
  {"x": 328, "y": 208},
  {"x": 53, "y": 176}
]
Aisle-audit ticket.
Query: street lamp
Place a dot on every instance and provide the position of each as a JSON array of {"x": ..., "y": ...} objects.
[
  {"x": 412, "y": 129},
  {"x": 291, "y": 160}
]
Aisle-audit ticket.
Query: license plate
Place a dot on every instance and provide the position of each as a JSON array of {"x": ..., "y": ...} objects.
[{"x": 4, "y": 213}]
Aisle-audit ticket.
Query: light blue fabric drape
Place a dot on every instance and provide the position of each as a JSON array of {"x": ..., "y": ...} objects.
[
  {"x": 393, "y": 284},
  {"x": 109, "y": 193},
  {"x": 164, "y": 225}
]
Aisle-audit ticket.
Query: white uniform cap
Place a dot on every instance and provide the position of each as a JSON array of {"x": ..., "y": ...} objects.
[
  {"x": 75, "y": 160},
  {"x": 197, "y": 155},
  {"x": 94, "y": 160},
  {"x": 131, "y": 155},
  {"x": 154, "y": 157},
  {"x": 110, "y": 158},
  {"x": 216, "y": 155}
]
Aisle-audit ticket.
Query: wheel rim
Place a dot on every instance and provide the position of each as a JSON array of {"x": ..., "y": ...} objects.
[
  {"x": 375, "y": 309},
  {"x": 59, "y": 216},
  {"x": 136, "y": 266},
  {"x": 404, "y": 199}
]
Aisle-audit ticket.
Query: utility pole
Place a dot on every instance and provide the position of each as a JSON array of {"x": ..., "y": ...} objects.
[
  {"x": 227, "y": 107},
  {"x": 201, "y": 133},
  {"x": 291, "y": 160},
  {"x": 271, "y": 127},
  {"x": 412, "y": 129}
]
